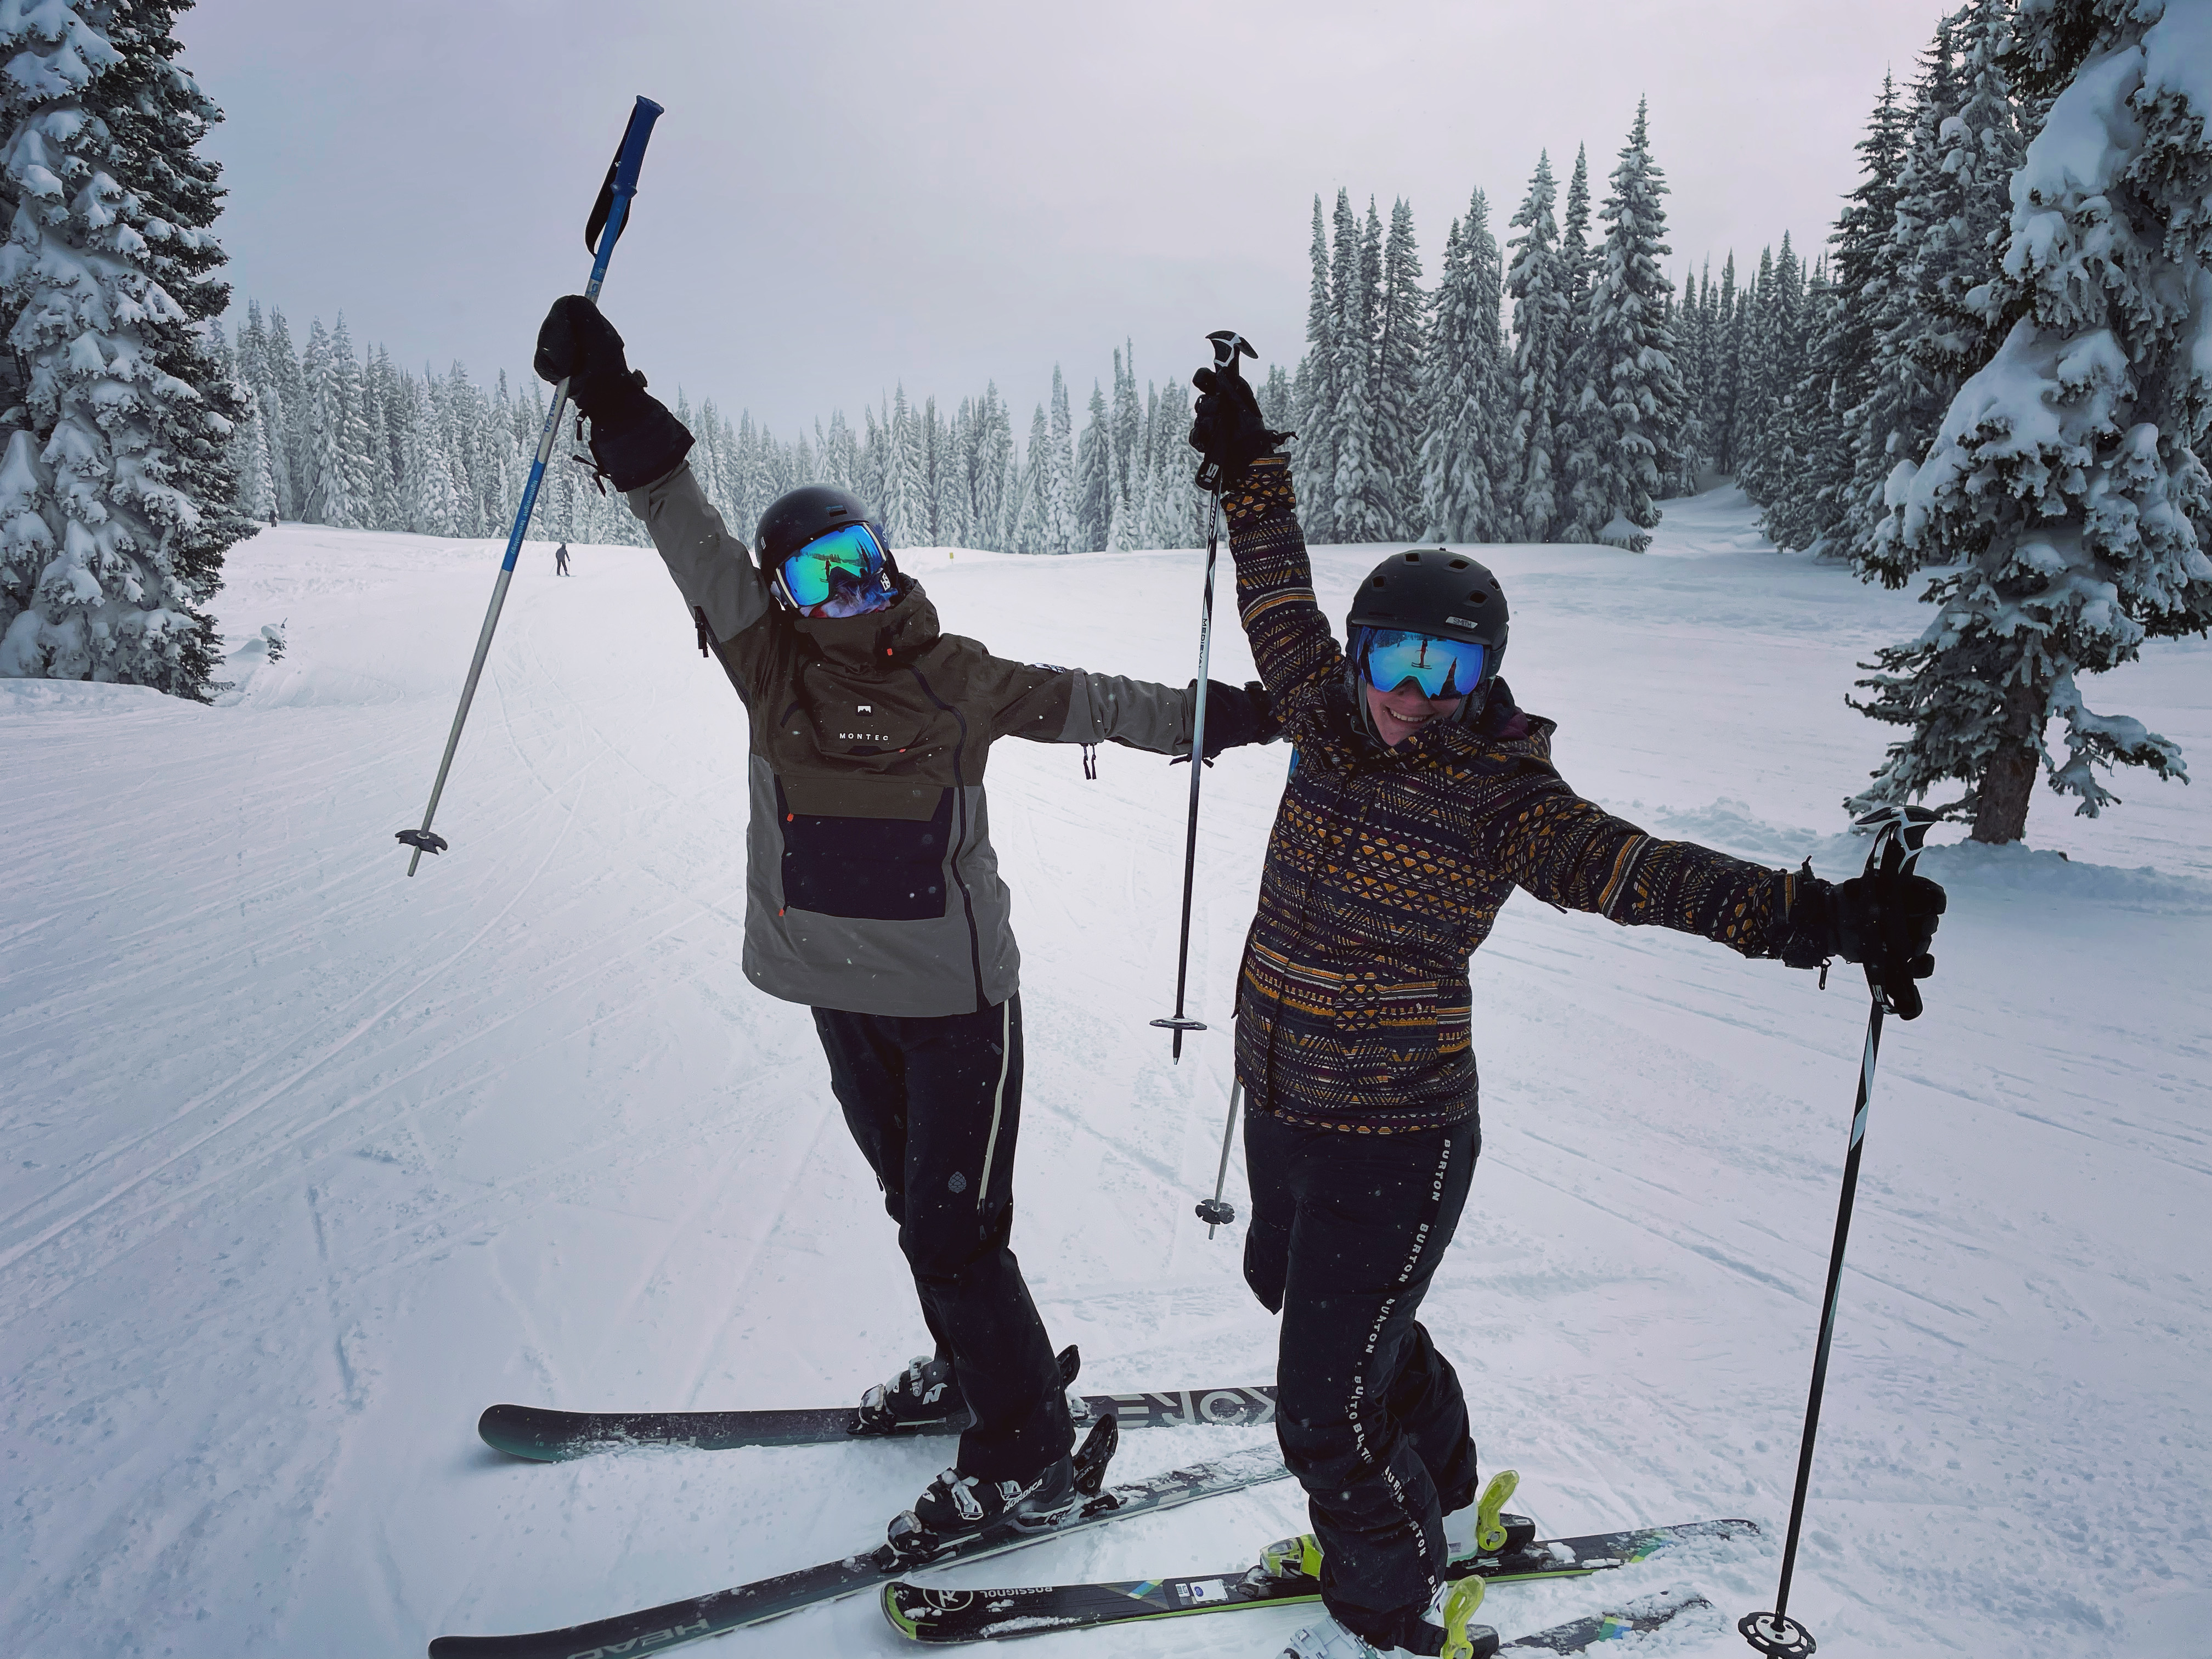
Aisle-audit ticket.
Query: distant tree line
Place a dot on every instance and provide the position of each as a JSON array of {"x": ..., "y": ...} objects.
[{"x": 335, "y": 437}]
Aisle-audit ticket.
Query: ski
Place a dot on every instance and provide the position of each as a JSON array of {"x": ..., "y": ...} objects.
[
  {"x": 1646, "y": 1613},
  {"x": 652, "y": 1629},
  {"x": 544, "y": 1435},
  {"x": 936, "y": 1615}
]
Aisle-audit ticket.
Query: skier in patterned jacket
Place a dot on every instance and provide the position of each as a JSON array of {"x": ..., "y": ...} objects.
[
  {"x": 872, "y": 895},
  {"x": 1420, "y": 796}
]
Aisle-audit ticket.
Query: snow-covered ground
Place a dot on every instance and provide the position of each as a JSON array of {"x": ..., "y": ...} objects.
[{"x": 308, "y": 1162}]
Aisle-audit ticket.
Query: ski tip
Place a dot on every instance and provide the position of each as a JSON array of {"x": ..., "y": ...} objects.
[{"x": 895, "y": 1614}]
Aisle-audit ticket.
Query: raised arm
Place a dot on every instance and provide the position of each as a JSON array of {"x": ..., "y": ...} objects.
[{"x": 1297, "y": 655}]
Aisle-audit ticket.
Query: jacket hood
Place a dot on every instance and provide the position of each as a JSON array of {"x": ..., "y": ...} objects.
[{"x": 879, "y": 641}]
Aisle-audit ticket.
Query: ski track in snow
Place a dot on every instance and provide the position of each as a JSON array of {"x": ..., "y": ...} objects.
[{"x": 310, "y": 1162}]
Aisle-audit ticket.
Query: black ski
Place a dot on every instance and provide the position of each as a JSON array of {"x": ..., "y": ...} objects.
[
  {"x": 1645, "y": 1613},
  {"x": 547, "y": 1435},
  {"x": 935, "y": 1615},
  {"x": 653, "y": 1629}
]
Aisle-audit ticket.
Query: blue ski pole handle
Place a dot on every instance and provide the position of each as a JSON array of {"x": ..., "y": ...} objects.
[{"x": 602, "y": 230}]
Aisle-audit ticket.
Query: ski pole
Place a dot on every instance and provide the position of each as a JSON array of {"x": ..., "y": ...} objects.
[
  {"x": 1899, "y": 832},
  {"x": 602, "y": 230},
  {"x": 1226, "y": 344},
  {"x": 1212, "y": 1211}
]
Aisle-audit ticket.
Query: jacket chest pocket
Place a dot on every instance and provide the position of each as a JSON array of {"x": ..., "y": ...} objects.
[{"x": 885, "y": 865}]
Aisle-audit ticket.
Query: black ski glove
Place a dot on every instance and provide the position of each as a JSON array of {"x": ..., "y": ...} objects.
[
  {"x": 1234, "y": 717},
  {"x": 634, "y": 439},
  {"x": 1229, "y": 430},
  {"x": 1886, "y": 922}
]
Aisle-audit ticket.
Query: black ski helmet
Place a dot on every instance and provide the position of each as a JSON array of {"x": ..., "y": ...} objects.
[
  {"x": 798, "y": 516},
  {"x": 1432, "y": 590}
]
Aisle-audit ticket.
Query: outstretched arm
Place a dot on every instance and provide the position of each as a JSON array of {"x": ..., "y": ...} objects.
[
  {"x": 1072, "y": 705},
  {"x": 1571, "y": 851}
]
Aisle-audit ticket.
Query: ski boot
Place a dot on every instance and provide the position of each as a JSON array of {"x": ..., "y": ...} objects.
[
  {"x": 1483, "y": 1528},
  {"x": 925, "y": 1392},
  {"x": 1446, "y": 1629},
  {"x": 959, "y": 1507}
]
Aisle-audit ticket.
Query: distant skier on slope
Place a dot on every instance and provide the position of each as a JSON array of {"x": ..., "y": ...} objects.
[
  {"x": 873, "y": 894},
  {"x": 1420, "y": 796},
  {"x": 560, "y": 560}
]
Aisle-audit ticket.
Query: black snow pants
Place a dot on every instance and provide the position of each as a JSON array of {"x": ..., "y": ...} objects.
[
  {"x": 1346, "y": 1233},
  {"x": 935, "y": 1105}
]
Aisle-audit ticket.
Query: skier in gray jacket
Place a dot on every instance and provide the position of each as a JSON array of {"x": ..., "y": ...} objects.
[{"x": 872, "y": 894}]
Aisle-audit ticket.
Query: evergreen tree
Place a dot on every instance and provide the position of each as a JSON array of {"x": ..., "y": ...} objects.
[
  {"x": 1629, "y": 411},
  {"x": 1912, "y": 382},
  {"x": 1464, "y": 387},
  {"x": 1774, "y": 356},
  {"x": 117, "y": 490},
  {"x": 1528, "y": 509},
  {"x": 1400, "y": 348},
  {"x": 1056, "y": 479},
  {"x": 1724, "y": 381},
  {"x": 901, "y": 505},
  {"x": 1093, "y": 469},
  {"x": 1579, "y": 267},
  {"x": 2067, "y": 483},
  {"x": 1840, "y": 472},
  {"x": 1313, "y": 452},
  {"x": 1357, "y": 278}
]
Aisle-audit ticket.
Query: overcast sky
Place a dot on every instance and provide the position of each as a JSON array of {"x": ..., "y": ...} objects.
[{"x": 844, "y": 197}]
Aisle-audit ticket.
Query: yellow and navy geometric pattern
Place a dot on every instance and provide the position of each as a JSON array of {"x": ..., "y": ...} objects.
[{"x": 1386, "y": 869}]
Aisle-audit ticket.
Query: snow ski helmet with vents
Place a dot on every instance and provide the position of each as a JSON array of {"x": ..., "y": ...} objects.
[
  {"x": 817, "y": 542},
  {"x": 1442, "y": 595}
]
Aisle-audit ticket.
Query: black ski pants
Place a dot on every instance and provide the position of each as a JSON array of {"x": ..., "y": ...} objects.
[
  {"x": 935, "y": 1105},
  {"x": 1346, "y": 1233}
]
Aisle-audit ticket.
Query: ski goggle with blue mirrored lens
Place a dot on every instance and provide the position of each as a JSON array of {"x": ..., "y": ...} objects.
[
  {"x": 847, "y": 560},
  {"x": 1389, "y": 657}
]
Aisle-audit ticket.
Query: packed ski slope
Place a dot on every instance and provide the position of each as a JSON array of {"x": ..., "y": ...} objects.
[{"x": 308, "y": 1162}]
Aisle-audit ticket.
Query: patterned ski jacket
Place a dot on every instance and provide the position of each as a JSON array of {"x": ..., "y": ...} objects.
[
  {"x": 1385, "y": 868},
  {"x": 871, "y": 883}
]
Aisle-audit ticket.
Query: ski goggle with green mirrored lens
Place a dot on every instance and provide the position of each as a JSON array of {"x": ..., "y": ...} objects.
[
  {"x": 847, "y": 560},
  {"x": 1389, "y": 657}
]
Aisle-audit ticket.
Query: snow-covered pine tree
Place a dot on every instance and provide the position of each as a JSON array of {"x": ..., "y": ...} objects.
[
  {"x": 1357, "y": 277},
  {"x": 1953, "y": 206},
  {"x": 1464, "y": 390},
  {"x": 1694, "y": 329},
  {"x": 1774, "y": 359},
  {"x": 2067, "y": 481},
  {"x": 1175, "y": 502},
  {"x": 1395, "y": 400},
  {"x": 1724, "y": 377},
  {"x": 1629, "y": 410},
  {"x": 1529, "y": 508},
  {"x": 1032, "y": 529},
  {"x": 117, "y": 492},
  {"x": 1278, "y": 404},
  {"x": 1093, "y": 468},
  {"x": 994, "y": 465},
  {"x": 1808, "y": 429},
  {"x": 1907, "y": 393},
  {"x": 1128, "y": 436},
  {"x": 1313, "y": 452},
  {"x": 257, "y": 481},
  {"x": 1578, "y": 265},
  {"x": 1056, "y": 481},
  {"x": 1822, "y": 502},
  {"x": 902, "y": 479}
]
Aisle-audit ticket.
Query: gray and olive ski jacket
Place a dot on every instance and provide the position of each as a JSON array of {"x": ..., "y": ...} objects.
[{"x": 870, "y": 882}]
